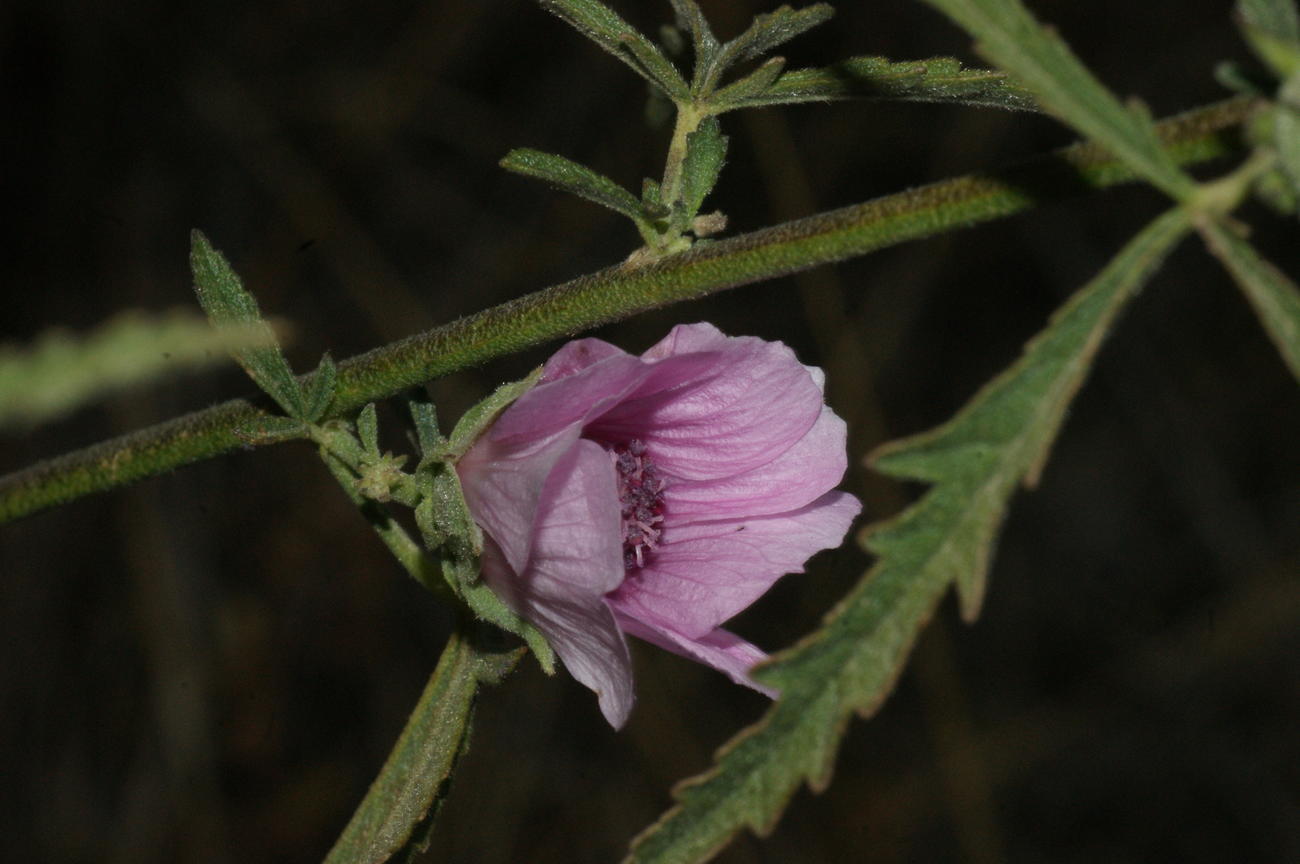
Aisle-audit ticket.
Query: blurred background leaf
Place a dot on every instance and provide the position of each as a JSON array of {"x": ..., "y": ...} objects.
[{"x": 61, "y": 371}]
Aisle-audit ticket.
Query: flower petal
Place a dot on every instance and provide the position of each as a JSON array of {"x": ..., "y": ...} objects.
[
  {"x": 793, "y": 479},
  {"x": 721, "y": 649},
  {"x": 576, "y": 558},
  {"x": 576, "y": 356},
  {"x": 703, "y": 574},
  {"x": 503, "y": 473},
  {"x": 717, "y": 412}
]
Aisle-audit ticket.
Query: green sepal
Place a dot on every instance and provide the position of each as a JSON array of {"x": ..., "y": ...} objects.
[
  {"x": 478, "y": 418},
  {"x": 569, "y": 176},
  {"x": 226, "y": 302},
  {"x": 706, "y": 151},
  {"x": 368, "y": 429},
  {"x": 425, "y": 418},
  {"x": 272, "y": 429},
  {"x": 603, "y": 26},
  {"x": 319, "y": 391}
]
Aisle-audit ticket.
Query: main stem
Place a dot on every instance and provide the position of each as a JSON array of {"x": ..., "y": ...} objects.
[{"x": 620, "y": 292}]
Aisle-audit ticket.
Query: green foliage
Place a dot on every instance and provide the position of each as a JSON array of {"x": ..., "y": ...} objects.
[
  {"x": 569, "y": 176},
  {"x": 226, "y": 302},
  {"x": 706, "y": 151},
  {"x": 975, "y": 461},
  {"x": 1009, "y": 36},
  {"x": 1275, "y": 298},
  {"x": 603, "y": 26},
  {"x": 62, "y": 371},
  {"x": 938, "y": 79},
  {"x": 767, "y": 31},
  {"x": 1277, "y": 19},
  {"x": 416, "y": 776}
]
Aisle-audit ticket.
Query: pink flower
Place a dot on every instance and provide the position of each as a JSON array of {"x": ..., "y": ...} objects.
[{"x": 657, "y": 495}]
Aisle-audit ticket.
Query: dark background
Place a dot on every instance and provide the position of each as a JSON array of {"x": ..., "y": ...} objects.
[{"x": 210, "y": 666}]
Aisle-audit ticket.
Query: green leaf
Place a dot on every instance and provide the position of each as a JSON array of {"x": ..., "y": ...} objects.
[
  {"x": 415, "y": 778},
  {"x": 766, "y": 32},
  {"x": 368, "y": 429},
  {"x": 319, "y": 391},
  {"x": 1277, "y": 18},
  {"x": 603, "y": 26},
  {"x": 224, "y": 299},
  {"x": 849, "y": 665},
  {"x": 62, "y": 371},
  {"x": 425, "y": 418},
  {"x": 691, "y": 18},
  {"x": 477, "y": 419},
  {"x": 938, "y": 79},
  {"x": 1009, "y": 36},
  {"x": 1286, "y": 130},
  {"x": 568, "y": 176},
  {"x": 749, "y": 90},
  {"x": 1276, "y": 298},
  {"x": 706, "y": 151}
]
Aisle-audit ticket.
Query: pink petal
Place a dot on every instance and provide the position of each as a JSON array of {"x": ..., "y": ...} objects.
[
  {"x": 576, "y": 356},
  {"x": 719, "y": 412},
  {"x": 503, "y": 473},
  {"x": 703, "y": 574},
  {"x": 721, "y": 649},
  {"x": 576, "y": 558},
  {"x": 793, "y": 479}
]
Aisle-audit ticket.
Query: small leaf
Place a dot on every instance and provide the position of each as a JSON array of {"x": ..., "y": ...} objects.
[
  {"x": 849, "y": 665},
  {"x": 706, "y": 151},
  {"x": 1275, "y": 298},
  {"x": 1008, "y": 35},
  {"x": 603, "y": 26},
  {"x": 1277, "y": 18},
  {"x": 477, "y": 419},
  {"x": 319, "y": 391},
  {"x": 749, "y": 89},
  {"x": 368, "y": 429},
  {"x": 568, "y": 176},
  {"x": 766, "y": 32},
  {"x": 691, "y": 18},
  {"x": 937, "y": 79},
  {"x": 224, "y": 299}
]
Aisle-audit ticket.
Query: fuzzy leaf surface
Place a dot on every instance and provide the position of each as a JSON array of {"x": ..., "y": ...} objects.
[
  {"x": 848, "y": 666},
  {"x": 1009, "y": 36},
  {"x": 706, "y": 150},
  {"x": 1275, "y": 298},
  {"x": 227, "y": 303},
  {"x": 1277, "y": 18},
  {"x": 569, "y": 176},
  {"x": 603, "y": 26},
  {"x": 937, "y": 79}
]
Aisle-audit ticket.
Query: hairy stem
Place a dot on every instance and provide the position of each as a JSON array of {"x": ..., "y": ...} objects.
[{"x": 620, "y": 292}]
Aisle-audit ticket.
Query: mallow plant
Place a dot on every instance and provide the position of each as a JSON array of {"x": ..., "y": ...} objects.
[{"x": 658, "y": 493}]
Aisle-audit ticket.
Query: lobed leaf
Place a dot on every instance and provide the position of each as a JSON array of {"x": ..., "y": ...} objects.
[
  {"x": 227, "y": 303},
  {"x": 937, "y": 79},
  {"x": 1275, "y": 298},
  {"x": 319, "y": 390},
  {"x": 705, "y": 44},
  {"x": 848, "y": 666},
  {"x": 603, "y": 26},
  {"x": 1009, "y": 36}
]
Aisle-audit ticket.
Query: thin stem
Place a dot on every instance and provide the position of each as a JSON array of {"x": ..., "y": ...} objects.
[{"x": 620, "y": 292}]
